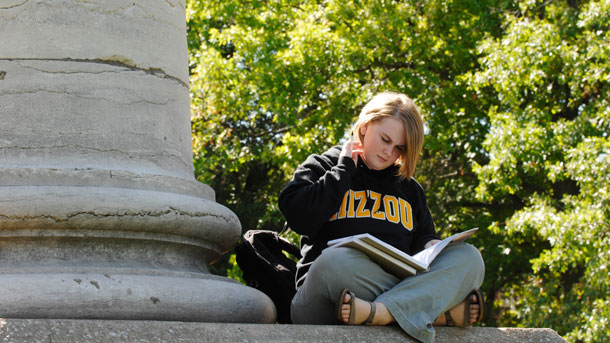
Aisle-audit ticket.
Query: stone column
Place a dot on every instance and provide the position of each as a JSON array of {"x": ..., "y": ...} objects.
[{"x": 100, "y": 214}]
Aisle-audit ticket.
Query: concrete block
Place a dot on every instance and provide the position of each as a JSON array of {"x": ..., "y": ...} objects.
[{"x": 72, "y": 331}]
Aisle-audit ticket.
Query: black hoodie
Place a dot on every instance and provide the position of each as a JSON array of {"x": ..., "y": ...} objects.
[{"x": 330, "y": 197}]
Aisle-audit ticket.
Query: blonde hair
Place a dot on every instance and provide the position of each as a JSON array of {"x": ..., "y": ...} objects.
[{"x": 397, "y": 105}]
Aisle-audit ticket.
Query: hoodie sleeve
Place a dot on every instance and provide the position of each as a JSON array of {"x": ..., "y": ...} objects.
[
  {"x": 316, "y": 190},
  {"x": 425, "y": 226}
]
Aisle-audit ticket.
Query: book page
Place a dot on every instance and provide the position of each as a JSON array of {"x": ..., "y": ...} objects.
[
  {"x": 420, "y": 261},
  {"x": 386, "y": 261},
  {"x": 428, "y": 255},
  {"x": 391, "y": 250}
]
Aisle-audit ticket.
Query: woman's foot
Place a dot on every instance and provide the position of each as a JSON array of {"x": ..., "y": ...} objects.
[
  {"x": 463, "y": 314},
  {"x": 362, "y": 311}
]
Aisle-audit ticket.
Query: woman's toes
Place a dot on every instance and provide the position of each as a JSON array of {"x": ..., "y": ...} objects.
[
  {"x": 345, "y": 308},
  {"x": 474, "y": 309}
]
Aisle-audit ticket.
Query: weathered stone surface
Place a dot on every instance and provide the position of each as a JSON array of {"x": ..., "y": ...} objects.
[
  {"x": 100, "y": 213},
  {"x": 90, "y": 295},
  {"x": 15, "y": 330},
  {"x": 143, "y": 35},
  {"x": 105, "y": 212},
  {"x": 59, "y": 115}
]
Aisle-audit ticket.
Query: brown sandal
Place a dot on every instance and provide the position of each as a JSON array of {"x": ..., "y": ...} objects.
[
  {"x": 466, "y": 322},
  {"x": 352, "y": 314}
]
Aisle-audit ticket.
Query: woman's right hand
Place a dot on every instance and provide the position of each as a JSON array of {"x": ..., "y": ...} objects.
[{"x": 352, "y": 149}]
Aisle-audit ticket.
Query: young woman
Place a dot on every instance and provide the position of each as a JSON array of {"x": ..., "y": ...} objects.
[{"x": 367, "y": 186}]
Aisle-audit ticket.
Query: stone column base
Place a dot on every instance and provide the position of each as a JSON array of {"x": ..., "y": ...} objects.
[
  {"x": 113, "y": 296},
  {"x": 116, "y": 253}
]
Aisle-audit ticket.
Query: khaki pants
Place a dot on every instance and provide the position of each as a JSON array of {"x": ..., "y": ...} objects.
[{"x": 415, "y": 302}]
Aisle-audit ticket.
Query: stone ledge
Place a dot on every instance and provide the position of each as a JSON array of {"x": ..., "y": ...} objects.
[{"x": 54, "y": 330}]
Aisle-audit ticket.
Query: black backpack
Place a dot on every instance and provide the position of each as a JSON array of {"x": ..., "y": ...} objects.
[{"x": 265, "y": 267}]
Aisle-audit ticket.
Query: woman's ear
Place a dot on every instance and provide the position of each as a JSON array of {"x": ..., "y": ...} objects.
[{"x": 363, "y": 129}]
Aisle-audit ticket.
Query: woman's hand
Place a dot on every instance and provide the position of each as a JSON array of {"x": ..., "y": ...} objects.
[
  {"x": 352, "y": 149},
  {"x": 431, "y": 243}
]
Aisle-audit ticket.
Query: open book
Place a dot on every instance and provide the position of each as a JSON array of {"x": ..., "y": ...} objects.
[{"x": 394, "y": 260}]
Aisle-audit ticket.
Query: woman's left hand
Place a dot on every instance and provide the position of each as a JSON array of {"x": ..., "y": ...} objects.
[{"x": 431, "y": 243}]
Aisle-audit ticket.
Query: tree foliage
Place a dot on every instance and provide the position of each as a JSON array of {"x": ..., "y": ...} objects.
[
  {"x": 514, "y": 95},
  {"x": 548, "y": 144}
]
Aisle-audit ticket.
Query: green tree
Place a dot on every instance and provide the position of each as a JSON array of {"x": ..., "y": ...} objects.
[
  {"x": 274, "y": 81},
  {"x": 548, "y": 80},
  {"x": 512, "y": 94}
]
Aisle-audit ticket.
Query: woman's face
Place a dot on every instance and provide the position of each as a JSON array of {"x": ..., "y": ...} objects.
[{"x": 383, "y": 142}]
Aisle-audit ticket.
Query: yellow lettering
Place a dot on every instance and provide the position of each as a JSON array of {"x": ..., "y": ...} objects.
[
  {"x": 343, "y": 207},
  {"x": 361, "y": 212},
  {"x": 391, "y": 208},
  {"x": 351, "y": 213},
  {"x": 406, "y": 217},
  {"x": 397, "y": 210},
  {"x": 376, "y": 203}
]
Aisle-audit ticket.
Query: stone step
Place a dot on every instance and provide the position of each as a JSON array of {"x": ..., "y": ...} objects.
[{"x": 69, "y": 331}]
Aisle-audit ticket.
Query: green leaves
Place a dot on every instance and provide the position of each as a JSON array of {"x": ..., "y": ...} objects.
[
  {"x": 514, "y": 95},
  {"x": 549, "y": 149}
]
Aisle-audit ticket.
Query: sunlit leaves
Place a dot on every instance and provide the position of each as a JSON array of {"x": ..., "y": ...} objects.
[
  {"x": 548, "y": 147},
  {"x": 515, "y": 98},
  {"x": 275, "y": 81}
]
